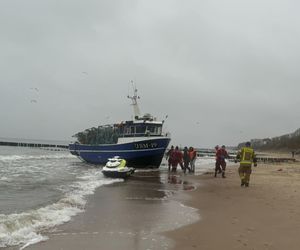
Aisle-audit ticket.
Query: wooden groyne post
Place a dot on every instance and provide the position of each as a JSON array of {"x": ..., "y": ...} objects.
[
  {"x": 35, "y": 145},
  {"x": 275, "y": 159}
]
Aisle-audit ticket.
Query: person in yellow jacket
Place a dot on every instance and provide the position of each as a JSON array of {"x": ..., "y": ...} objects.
[{"x": 246, "y": 156}]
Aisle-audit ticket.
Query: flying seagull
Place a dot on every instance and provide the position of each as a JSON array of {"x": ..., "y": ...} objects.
[{"x": 36, "y": 89}]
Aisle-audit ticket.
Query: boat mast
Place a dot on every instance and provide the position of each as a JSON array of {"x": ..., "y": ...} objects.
[{"x": 134, "y": 98}]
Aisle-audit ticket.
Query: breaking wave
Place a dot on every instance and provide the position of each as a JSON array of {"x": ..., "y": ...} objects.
[
  {"x": 10, "y": 158},
  {"x": 26, "y": 228}
]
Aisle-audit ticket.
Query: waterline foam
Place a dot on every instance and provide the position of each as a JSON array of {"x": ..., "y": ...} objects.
[{"x": 28, "y": 227}]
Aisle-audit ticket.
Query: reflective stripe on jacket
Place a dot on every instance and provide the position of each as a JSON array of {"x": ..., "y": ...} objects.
[{"x": 247, "y": 156}]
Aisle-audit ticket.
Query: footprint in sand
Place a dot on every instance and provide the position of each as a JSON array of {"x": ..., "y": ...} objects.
[
  {"x": 242, "y": 240},
  {"x": 235, "y": 220},
  {"x": 267, "y": 245}
]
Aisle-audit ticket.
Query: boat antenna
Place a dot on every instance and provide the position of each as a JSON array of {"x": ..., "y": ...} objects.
[
  {"x": 134, "y": 98},
  {"x": 163, "y": 121}
]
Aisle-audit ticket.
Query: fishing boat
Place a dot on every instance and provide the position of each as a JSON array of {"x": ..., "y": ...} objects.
[
  {"x": 117, "y": 168},
  {"x": 140, "y": 141}
]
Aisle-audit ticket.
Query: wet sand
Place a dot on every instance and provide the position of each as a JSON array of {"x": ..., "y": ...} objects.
[
  {"x": 265, "y": 215},
  {"x": 128, "y": 215}
]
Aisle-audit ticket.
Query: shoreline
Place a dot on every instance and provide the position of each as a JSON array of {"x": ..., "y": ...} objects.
[
  {"x": 265, "y": 215},
  {"x": 218, "y": 214},
  {"x": 128, "y": 215}
]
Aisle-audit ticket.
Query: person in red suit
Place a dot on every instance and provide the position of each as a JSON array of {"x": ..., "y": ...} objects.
[
  {"x": 169, "y": 157},
  {"x": 177, "y": 158},
  {"x": 221, "y": 155}
]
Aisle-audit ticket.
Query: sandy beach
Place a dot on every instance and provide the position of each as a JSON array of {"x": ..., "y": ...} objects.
[
  {"x": 265, "y": 215},
  {"x": 217, "y": 214}
]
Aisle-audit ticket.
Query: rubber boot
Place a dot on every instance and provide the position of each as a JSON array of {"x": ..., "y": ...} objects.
[
  {"x": 215, "y": 173},
  {"x": 223, "y": 175}
]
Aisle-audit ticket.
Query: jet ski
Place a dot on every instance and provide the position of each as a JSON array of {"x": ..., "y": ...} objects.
[{"x": 116, "y": 168}]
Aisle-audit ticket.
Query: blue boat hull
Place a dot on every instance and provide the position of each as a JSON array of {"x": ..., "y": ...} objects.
[{"x": 138, "y": 154}]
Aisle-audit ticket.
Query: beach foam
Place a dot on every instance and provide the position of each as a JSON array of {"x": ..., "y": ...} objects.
[
  {"x": 11, "y": 158},
  {"x": 204, "y": 164},
  {"x": 27, "y": 228}
]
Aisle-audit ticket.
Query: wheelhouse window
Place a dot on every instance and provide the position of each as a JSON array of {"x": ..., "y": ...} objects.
[
  {"x": 153, "y": 130},
  {"x": 158, "y": 130},
  {"x": 132, "y": 130},
  {"x": 137, "y": 130},
  {"x": 127, "y": 130},
  {"x": 140, "y": 130}
]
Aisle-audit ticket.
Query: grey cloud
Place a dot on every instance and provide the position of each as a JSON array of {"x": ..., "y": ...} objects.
[{"x": 224, "y": 72}]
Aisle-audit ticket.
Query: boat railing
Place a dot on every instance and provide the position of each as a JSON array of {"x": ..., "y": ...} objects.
[{"x": 141, "y": 135}]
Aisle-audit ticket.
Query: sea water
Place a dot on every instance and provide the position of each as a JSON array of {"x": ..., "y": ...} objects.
[{"x": 40, "y": 189}]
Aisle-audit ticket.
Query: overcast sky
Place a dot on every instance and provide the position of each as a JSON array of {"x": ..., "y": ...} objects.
[{"x": 223, "y": 71}]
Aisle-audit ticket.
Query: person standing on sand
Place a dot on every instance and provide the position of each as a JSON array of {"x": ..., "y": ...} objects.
[
  {"x": 176, "y": 158},
  {"x": 293, "y": 154},
  {"x": 218, "y": 169},
  {"x": 169, "y": 157},
  {"x": 246, "y": 157},
  {"x": 179, "y": 156},
  {"x": 221, "y": 155},
  {"x": 193, "y": 156},
  {"x": 186, "y": 160}
]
